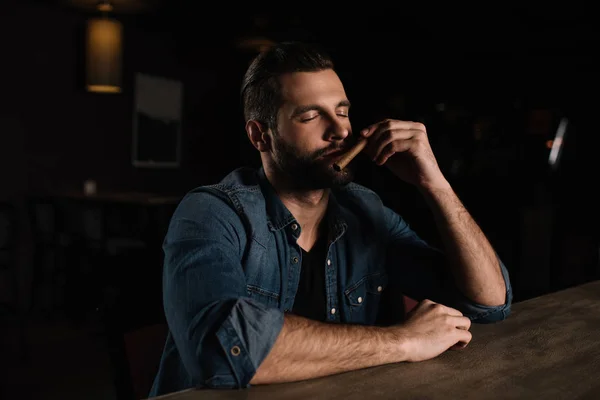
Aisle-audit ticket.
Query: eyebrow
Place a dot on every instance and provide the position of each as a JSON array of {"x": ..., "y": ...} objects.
[{"x": 310, "y": 107}]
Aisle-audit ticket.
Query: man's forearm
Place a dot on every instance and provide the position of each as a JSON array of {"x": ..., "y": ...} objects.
[
  {"x": 475, "y": 265},
  {"x": 309, "y": 349}
]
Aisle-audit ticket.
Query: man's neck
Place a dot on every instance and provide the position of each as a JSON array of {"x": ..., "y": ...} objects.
[{"x": 307, "y": 206}]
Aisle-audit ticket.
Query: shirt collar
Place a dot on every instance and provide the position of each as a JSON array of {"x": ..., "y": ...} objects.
[{"x": 280, "y": 217}]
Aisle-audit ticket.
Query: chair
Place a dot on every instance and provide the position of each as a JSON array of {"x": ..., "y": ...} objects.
[
  {"x": 143, "y": 349},
  {"x": 135, "y": 356},
  {"x": 409, "y": 304},
  {"x": 135, "y": 329}
]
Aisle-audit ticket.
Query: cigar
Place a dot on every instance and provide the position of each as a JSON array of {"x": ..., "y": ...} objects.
[{"x": 349, "y": 156}]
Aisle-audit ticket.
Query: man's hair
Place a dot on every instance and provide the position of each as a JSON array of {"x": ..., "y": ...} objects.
[{"x": 261, "y": 88}]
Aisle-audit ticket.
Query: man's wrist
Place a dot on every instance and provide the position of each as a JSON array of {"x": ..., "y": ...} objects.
[
  {"x": 396, "y": 346},
  {"x": 440, "y": 186}
]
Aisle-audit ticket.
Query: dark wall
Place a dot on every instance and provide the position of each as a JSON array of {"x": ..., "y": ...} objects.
[{"x": 55, "y": 135}]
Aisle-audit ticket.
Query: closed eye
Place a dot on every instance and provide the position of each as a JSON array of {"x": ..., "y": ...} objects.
[
  {"x": 310, "y": 112},
  {"x": 312, "y": 117},
  {"x": 308, "y": 119}
]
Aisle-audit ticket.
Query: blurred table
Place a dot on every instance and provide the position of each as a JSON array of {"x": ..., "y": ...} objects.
[
  {"x": 138, "y": 198},
  {"x": 549, "y": 348},
  {"x": 91, "y": 250}
]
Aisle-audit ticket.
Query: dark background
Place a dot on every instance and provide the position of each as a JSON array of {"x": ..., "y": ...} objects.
[{"x": 490, "y": 82}]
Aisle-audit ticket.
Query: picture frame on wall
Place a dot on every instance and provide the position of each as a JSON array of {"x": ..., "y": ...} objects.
[{"x": 157, "y": 121}]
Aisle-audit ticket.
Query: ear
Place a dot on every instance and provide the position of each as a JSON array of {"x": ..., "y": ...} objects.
[{"x": 258, "y": 136}]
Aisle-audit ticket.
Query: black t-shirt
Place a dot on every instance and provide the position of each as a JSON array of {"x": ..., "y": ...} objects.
[{"x": 311, "y": 301}]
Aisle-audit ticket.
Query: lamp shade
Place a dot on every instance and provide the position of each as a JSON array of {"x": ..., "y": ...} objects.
[{"x": 104, "y": 42}]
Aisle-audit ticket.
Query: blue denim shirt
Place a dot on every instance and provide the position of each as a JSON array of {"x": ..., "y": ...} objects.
[{"x": 232, "y": 267}]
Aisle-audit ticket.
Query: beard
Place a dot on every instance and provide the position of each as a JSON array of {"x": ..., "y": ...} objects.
[{"x": 310, "y": 171}]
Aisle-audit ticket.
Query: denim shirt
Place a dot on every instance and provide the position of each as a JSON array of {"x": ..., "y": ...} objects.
[{"x": 232, "y": 265}]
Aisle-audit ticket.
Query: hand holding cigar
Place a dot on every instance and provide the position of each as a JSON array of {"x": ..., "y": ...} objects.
[{"x": 349, "y": 156}]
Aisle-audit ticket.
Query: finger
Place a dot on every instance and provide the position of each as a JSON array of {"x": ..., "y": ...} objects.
[
  {"x": 424, "y": 304},
  {"x": 464, "y": 337},
  {"x": 382, "y": 137},
  {"x": 392, "y": 148},
  {"x": 388, "y": 142},
  {"x": 371, "y": 129},
  {"x": 442, "y": 309},
  {"x": 461, "y": 322},
  {"x": 392, "y": 124},
  {"x": 462, "y": 342},
  {"x": 418, "y": 126},
  {"x": 368, "y": 131},
  {"x": 453, "y": 311},
  {"x": 458, "y": 346}
]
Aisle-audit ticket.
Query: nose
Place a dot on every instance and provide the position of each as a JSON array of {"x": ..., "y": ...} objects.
[{"x": 338, "y": 130}]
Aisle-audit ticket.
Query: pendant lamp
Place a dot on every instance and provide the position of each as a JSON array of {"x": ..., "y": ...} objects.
[{"x": 104, "y": 47}]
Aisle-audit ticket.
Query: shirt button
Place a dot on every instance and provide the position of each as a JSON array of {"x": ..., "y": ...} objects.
[
  {"x": 332, "y": 311},
  {"x": 328, "y": 262},
  {"x": 295, "y": 260},
  {"x": 379, "y": 288},
  {"x": 235, "y": 350},
  {"x": 359, "y": 300},
  {"x": 294, "y": 227}
]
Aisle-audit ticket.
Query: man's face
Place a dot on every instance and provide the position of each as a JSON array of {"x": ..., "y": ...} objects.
[{"x": 313, "y": 129}]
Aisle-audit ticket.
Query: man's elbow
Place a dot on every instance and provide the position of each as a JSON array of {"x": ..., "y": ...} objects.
[
  {"x": 494, "y": 314},
  {"x": 497, "y": 292},
  {"x": 496, "y": 299},
  {"x": 494, "y": 311}
]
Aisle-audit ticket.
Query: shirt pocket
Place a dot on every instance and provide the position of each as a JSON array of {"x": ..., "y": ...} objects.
[
  {"x": 364, "y": 297},
  {"x": 264, "y": 296}
]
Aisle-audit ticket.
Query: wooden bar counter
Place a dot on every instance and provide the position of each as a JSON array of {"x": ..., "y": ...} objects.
[{"x": 548, "y": 348}]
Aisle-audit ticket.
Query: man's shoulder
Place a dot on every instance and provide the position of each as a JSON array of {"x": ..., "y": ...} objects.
[
  {"x": 240, "y": 179},
  {"x": 243, "y": 179},
  {"x": 356, "y": 192},
  {"x": 229, "y": 193}
]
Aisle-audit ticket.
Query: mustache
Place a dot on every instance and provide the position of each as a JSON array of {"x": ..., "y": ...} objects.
[
  {"x": 329, "y": 149},
  {"x": 346, "y": 145}
]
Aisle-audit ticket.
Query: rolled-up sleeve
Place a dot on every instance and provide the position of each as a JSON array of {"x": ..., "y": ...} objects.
[
  {"x": 420, "y": 271},
  {"x": 221, "y": 335}
]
